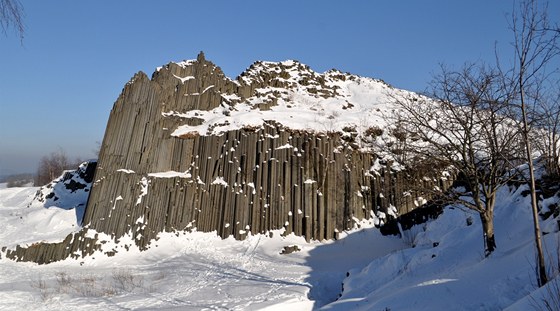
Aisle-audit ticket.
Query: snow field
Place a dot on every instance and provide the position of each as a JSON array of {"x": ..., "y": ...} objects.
[
  {"x": 447, "y": 270},
  {"x": 438, "y": 265},
  {"x": 180, "y": 271}
]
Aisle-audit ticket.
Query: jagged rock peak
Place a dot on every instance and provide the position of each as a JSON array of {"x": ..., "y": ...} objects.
[
  {"x": 201, "y": 57},
  {"x": 140, "y": 75},
  {"x": 261, "y": 75},
  {"x": 199, "y": 62},
  {"x": 287, "y": 73},
  {"x": 289, "y": 93},
  {"x": 293, "y": 72}
]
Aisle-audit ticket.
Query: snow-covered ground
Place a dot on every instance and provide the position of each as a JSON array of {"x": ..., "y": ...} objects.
[
  {"x": 445, "y": 270},
  {"x": 186, "y": 271}
]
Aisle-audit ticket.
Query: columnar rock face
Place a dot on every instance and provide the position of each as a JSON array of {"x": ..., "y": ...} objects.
[{"x": 275, "y": 148}]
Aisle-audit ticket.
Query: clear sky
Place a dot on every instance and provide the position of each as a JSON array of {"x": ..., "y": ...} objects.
[{"x": 58, "y": 86}]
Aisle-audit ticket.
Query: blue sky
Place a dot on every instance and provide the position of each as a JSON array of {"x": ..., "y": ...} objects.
[{"x": 58, "y": 87}]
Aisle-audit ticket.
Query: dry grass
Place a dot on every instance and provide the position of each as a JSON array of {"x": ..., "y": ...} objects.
[{"x": 121, "y": 281}]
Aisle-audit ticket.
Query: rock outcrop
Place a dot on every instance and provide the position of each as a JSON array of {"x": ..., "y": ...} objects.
[
  {"x": 279, "y": 147},
  {"x": 69, "y": 191}
]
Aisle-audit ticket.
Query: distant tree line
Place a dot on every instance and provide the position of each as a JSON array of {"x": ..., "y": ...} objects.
[{"x": 17, "y": 180}]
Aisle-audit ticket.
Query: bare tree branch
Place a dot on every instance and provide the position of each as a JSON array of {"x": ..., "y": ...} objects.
[
  {"x": 11, "y": 16},
  {"x": 464, "y": 125}
]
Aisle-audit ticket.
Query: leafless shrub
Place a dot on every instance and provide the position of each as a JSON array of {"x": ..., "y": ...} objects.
[
  {"x": 126, "y": 281},
  {"x": 43, "y": 288},
  {"x": 18, "y": 180},
  {"x": 89, "y": 285},
  {"x": 159, "y": 276},
  {"x": 64, "y": 282},
  {"x": 51, "y": 166}
]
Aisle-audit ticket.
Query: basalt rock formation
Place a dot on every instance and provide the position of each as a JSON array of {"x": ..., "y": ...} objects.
[{"x": 279, "y": 147}]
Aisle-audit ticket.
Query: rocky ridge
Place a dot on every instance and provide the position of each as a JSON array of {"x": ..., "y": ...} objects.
[{"x": 280, "y": 147}]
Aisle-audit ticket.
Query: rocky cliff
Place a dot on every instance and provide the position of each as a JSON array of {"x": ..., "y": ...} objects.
[{"x": 279, "y": 147}]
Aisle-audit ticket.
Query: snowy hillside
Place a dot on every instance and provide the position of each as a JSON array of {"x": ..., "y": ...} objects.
[
  {"x": 183, "y": 271},
  {"x": 23, "y": 221},
  {"x": 69, "y": 191},
  {"x": 445, "y": 269}
]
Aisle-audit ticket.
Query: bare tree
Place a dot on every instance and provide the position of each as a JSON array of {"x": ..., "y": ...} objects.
[
  {"x": 97, "y": 149},
  {"x": 464, "y": 126},
  {"x": 547, "y": 134},
  {"x": 51, "y": 166},
  {"x": 535, "y": 44},
  {"x": 11, "y": 15}
]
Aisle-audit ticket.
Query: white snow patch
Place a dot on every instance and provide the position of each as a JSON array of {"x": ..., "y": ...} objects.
[
  {"x": 419, "y": 201},
  {"x": 286, "y": 146},
  {"x": 186, "y": 63},
  {"x": 184, "y": 79},
  {"x": 252, "y": 185},
  {"x": 143, "y": 189},
  {"x": 122, "y": 170},
  {"x": 436, "y": 282},
  {"x": 206, "y": 89},
  {"x": 171, "y": 174},
  {"x": 220, "y": 181}
]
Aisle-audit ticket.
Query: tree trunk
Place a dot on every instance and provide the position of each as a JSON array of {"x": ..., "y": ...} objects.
[
  {"x": 487, "y": 219},
  {"x": 542, "y": 277},
  {"x": 541, "y": 269}
]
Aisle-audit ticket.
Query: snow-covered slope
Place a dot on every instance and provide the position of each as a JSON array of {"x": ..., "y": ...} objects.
[
  {"x": 22, "y": 222},
  {"x": 69, "y": 191},
  {"x": 180, "y": 271},
  {"x": 446, "y": 269},
  {"x": 439, "y": 265},
  {"x": 51, "y": 212}
]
